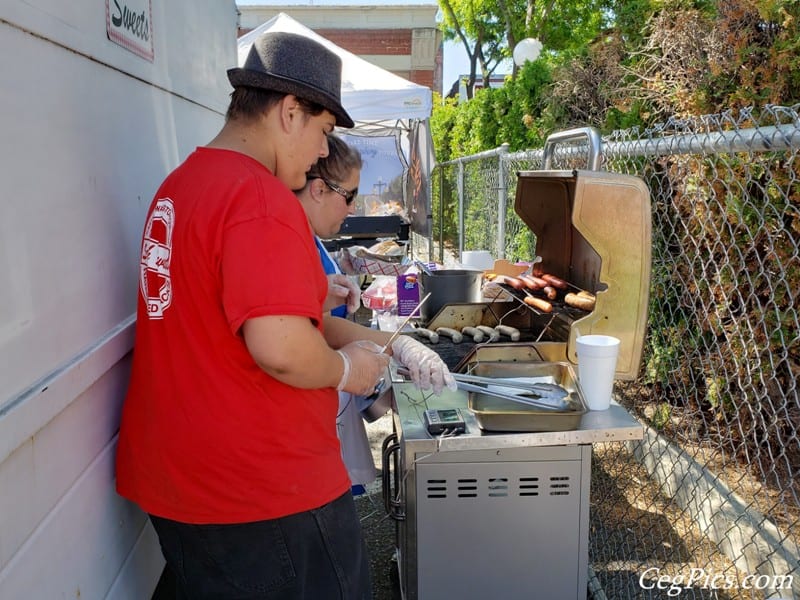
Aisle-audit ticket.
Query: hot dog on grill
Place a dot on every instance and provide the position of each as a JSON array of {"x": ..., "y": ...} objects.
[
  {"x": 580, "y": 301},
  {"x": 492, "y": 334},
  {"x": 451, "y": 333},
  {"x": 538, "y": 281},
  {"x": 550, "y": 292},
  {"x": 539, "y": 304},
  {"x": 511, "y": 332},
  {"x": 476, "y": 334},
  {"x": 532, "y": 283},
  {"x": 512, "y": 281},
  {"x": 429, "y": 335},
  {"x": 555, "y": 281}
]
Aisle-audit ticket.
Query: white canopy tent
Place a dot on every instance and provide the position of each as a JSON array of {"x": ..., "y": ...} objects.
[
  {"x": 379, "y": 101},
  {"x": 382, "y": 104}
]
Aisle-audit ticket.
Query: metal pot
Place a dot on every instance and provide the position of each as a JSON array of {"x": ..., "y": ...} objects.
[{"x": 448, "y": 286}]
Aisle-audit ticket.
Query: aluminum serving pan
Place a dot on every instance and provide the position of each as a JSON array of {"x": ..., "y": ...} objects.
[{"x": 497, "y": 414}]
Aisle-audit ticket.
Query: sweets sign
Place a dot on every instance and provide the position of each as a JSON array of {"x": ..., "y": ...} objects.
[{"x": 129, "y": 24}]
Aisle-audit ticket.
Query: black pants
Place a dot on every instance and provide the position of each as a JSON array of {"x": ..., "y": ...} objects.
[{"x": 315, "y": 555}]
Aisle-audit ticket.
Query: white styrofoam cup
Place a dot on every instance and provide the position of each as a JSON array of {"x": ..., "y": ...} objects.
[{"x": 597, "y": 365}]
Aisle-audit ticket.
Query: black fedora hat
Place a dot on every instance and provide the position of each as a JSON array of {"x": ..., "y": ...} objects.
[{"x": 297, "y": 65}]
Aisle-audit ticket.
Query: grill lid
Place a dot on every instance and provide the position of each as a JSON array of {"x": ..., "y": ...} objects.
[{"x": 593, "y": 229}]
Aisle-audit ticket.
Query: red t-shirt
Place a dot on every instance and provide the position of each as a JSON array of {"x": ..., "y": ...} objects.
[{"x": 206, "y": 435}]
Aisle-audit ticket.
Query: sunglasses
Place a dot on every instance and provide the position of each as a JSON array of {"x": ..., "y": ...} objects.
[{"x": 348, "y": 196}]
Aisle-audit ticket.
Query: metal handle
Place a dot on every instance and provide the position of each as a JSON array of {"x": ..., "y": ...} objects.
[
  {"x": 391, "y": 503},
  {"x": 590, "y": 133}
]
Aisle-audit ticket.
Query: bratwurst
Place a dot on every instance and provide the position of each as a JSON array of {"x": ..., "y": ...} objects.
[
  {"x": 539, "y": 304},
  {"x": 583, "y": 300},
  {"x": 556, "y": 282}
]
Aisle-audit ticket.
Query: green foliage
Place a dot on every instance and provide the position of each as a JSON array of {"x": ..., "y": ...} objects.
[
  {"x": 442, "y": 121},
  {"x": 522, "y": 101},
  {"x": 510, "y": 114},
  {"x": 725, "y": 274},
  {"x": 662, "y": 415},
  {"x": 489, "y": 29},
  {"x": 616, "y": 64}
]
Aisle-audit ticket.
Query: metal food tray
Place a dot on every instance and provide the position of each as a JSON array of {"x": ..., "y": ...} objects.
[{"x": 496, "y": 414}]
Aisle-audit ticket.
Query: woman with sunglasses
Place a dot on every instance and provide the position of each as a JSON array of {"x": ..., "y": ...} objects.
[
  {"x": 331, "y": 189},
  {"x": 328, "y": 198}
]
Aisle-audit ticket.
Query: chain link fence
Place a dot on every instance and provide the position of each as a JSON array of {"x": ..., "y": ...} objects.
[{"x": 707, "y": 505}]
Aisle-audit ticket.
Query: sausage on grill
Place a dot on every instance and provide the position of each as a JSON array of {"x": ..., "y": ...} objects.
[
  {"x": 555, "y": 281},
  {"x": 515, "y": 283},
  {"x": 538, "y": 281},
  {"x": 511, "y": 332},
  {"x": 429, "y": 335},
  {"x": 584, "y": 302},
  {"x": 539, "y": 304},
  {"x": 493, "y": 334},
  {"x": 451, "y": 333},
  {"x": 476, "y": 334},
  {"x": 532, "y": 283}
]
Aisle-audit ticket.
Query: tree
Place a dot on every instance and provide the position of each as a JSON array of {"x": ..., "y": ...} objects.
[
  {"x": 470, "y": 21},
  {"x": 489, "y": 29}
]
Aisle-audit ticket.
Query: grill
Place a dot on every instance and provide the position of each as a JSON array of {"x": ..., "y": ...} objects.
[
  {"x": 505, "y": 514},
  {"x": 593, "y": 231},
  {"x": 530, "y": 325},
  {"x": 366, "y": 230}
]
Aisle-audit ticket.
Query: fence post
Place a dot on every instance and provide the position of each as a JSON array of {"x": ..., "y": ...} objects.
[
  {"x": 460, "y": 208},
  {"x": 502, "y": 199},
  {"x": 431, "y": 256}
]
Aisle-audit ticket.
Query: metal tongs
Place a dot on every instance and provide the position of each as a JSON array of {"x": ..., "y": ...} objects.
[
  {"x": 548, "y": 396},
  {"x": 541, "y": 389},
  {"x": 543, "y": 395}
]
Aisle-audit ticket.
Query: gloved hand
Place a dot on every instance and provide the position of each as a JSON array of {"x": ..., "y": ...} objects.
[
  {"x": 342, "y": 290},
  {"x": 364, "y": 365},
  {"x": 426, "y": 368}
]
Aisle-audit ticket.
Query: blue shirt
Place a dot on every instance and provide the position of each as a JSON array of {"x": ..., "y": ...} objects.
[{"x": 331, "y": 268}]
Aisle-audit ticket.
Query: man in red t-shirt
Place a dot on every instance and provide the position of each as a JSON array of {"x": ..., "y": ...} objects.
[{"x": 228, "y": 437}]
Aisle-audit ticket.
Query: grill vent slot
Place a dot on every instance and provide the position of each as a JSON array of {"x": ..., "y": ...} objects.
[
  {"x": 467, "y": 488},
  {"x": 437, "y": 488},
  {"x": 528, "y": 486},
  {"x": 559, "y": 486},
  {"x": 497, "y": 487}
]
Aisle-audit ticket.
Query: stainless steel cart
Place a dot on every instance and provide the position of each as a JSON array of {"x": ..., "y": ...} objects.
[{"x": 492, "y": 515}]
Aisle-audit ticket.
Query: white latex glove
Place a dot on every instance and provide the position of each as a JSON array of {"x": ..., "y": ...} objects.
[
  {"x": 345, "y": 262},
  {"x": 342, "y": 290},
  {"x": 426, "y": 368},
  {"x": 364, "y": 365}
]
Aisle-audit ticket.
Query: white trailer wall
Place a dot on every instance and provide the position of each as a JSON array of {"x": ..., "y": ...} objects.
[{"x": 89, "y": 130}]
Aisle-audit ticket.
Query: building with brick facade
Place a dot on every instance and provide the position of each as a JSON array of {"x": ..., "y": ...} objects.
[{"x": 401, "y": 38}]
